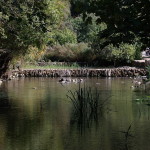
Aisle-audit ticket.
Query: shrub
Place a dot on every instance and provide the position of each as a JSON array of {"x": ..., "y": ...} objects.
[
  {"x": 69, "y": 52},
  {"x": 125, "y": 53},
  {"x": 58, "y": 53},
  {"x": 34, "y": 54}
]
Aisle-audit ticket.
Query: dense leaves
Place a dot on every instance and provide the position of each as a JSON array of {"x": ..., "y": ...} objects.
[
  {"x": 86, "y": 32},
  {"x": 125, "y": 19},
  {"x": 77, "y": 30},
  {"x": 25, "y": 23}
]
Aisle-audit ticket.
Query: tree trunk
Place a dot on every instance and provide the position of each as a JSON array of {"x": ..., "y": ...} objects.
[{"x": 5, "y": 59}]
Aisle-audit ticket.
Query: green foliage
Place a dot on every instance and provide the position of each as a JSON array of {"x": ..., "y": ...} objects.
[
  {"x": 123, "y": 53},
  {"x": 81, "y": 52},
  {"x": 125, "y": 20},
  {"x": 139, "y": 46},
  {"x": 69, "y": 52},
  {"x": 64, "y": 36},
  {"x": 121, "y": 34},
  {"x": 52, "y": 66},
  {"x": 112, "y": 31},
  {"x": 34, "y": 54},
  {"x": 86, "y": 32},
  {"x": 27, "y": 23}
]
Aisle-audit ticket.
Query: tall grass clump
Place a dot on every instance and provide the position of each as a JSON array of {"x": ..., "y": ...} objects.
[{"x": 86, "y": 102}]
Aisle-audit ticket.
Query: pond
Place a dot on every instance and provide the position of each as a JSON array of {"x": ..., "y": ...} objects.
[{"x": 35, "y": 114}]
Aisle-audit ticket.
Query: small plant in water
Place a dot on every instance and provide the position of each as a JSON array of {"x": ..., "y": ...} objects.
[
  {"x": 87, "y": 105},
  {"x": 84, "y": 100},
  {"x": 127, "y": 135}
]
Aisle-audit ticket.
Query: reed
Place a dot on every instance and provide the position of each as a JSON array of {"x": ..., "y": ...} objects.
[
  {"x": 86, "y": 101},
  {"x": 127, "y": 135},
  {"x": 88, "y": 107}
]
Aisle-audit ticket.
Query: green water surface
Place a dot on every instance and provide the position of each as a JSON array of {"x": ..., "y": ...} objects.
[{"x": 35, "y": 114}]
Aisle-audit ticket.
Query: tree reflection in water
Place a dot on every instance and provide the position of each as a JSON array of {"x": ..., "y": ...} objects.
[{"x": 4, "y": 98}]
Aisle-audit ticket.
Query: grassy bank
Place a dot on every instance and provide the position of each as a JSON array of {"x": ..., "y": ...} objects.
[{"x": 74, "y": 66}]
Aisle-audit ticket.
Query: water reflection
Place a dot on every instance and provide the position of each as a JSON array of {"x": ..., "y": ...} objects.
[
  {"x": 4, "y": 99},
  {"x": 43, "y": 118},
  {"x": 83, "y": 122}
]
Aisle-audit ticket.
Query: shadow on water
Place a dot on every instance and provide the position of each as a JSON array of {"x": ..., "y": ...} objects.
[
  {"x": 84, "y": 122},
  {"x": 4, "y": 103},
  {"x": 4, "y": 99}
]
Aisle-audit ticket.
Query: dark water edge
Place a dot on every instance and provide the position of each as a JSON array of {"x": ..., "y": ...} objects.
[{"x": 36, "y": 115}]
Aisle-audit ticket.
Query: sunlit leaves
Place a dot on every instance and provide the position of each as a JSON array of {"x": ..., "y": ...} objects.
[{"x": 28, "y": 23}]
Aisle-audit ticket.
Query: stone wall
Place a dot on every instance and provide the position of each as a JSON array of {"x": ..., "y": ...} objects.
[{"x": 112, "y": 72}]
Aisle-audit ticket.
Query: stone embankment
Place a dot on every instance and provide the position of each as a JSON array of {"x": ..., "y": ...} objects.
[{"x": 111, "y": 72}]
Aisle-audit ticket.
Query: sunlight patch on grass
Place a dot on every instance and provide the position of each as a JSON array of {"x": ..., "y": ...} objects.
[{"x": 74, "y": 66}]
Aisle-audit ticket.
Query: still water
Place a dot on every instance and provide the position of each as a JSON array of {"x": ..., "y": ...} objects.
[{"x": 35, "y": 114}]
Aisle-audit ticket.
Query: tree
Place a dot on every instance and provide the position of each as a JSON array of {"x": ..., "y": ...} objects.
[
  {"x": 125, "y": 19},
  {"x": 24, "y": 24},
  {"x": 86, "y": 33}
]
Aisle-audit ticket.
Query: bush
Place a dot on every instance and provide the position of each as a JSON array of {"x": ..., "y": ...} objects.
[
  {"x": 125, "y": 53},
  {"x": 69, "y": 52},
  {"x": 34, "y": 54},
  {"x": 58, "y": 53}
]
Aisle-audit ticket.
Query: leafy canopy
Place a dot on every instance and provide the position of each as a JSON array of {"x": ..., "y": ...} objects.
[
  {"x": 28, "y": 23},
  {"x": 125, "y": 19}
]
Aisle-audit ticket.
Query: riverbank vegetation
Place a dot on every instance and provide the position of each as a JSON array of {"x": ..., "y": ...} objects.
[
  {"x": 51, "y": 66},
  {"x": 102, "y": 32}
]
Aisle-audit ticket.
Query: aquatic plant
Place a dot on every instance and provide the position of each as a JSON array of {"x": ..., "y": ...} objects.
[
  {"x": 83, "y": 99},
  {"x": 143, "y": 100},
  {"x": 127, "y": 135},
  {"x": 86, "y": 102},
  {"x": 86, "y": 106}
]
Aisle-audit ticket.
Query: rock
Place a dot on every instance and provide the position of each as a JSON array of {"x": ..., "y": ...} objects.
[{"x": 111, "y": 72}]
